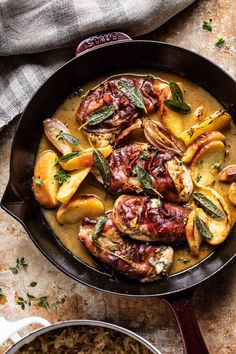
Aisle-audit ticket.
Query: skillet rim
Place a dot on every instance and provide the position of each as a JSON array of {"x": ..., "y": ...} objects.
[{"x": 31, "y": 234}]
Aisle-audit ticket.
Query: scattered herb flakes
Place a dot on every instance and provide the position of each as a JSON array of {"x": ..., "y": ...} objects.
[
  {"x": 176, "y": 91},
  {"x": 188, "y": 206},
  {"x": 61, "y": 177},
  {"x": 190, "y": 132},
  {"x": 183, "y": 260},
  {"x": 153, "y": 261},
  {"x": 98, "y": 228},
  {"x": 30, "y": 298},
  {"x": 184, "y": 221},
  {"x": 177, "y": 106},
  {"x": 216, "y": 166},
  {"x": 145, "y": 155},
  {"x": 203, "y": 229},
  {"x": 206, "y": 204},
  {"x": 58, "y": 302},
  {"x": 33, "y": 284},
  {"x": 78, "y": 91},
  {"x": 155, "y": 203},
  {"x": 220, "y": 41},
  {"x": 207, "y": 25},
  {"x": 69, "y": 156},
  {"x": 61, "y": 314},
  {"x": 1, "y": 292},
  {"x": 20, "y": 262},
  {"x": 103, "y": 166},
  {"x": 43, "y": 302},
  {"x": 132, "y": 93},
  {"x": 38, "y": 181},
  {"x": 68, "y": 137},
  {"x": 21, "y": 302},
  {"x": 198, "y": 177}
]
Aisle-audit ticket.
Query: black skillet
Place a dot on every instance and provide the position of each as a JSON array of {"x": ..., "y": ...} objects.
[{"x": 96, "y": 56}]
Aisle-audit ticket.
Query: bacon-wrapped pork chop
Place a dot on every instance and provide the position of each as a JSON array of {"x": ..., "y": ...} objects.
[
  {"x": 116, "y": 105},
  {"x": 150, "y": 219},
  {"x": 168, "y": 175},
  {"x": 132, "y": 259}
]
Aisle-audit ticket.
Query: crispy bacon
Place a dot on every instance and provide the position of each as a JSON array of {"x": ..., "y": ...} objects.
[
  {"x": 126, "y": 113},
  {"x": 149, "y": 219},
  {"x": 169, "y": 176},
  {"x": 132, "y": 259}
]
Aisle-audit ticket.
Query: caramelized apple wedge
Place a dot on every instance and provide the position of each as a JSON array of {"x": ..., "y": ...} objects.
[
  {"x": 217, "y": 121},
  {"x": 59, "y": 135},
  {"x": 219, "y": 227},
  {"x": 83, "y": 160},
  {"x": 232, "y": 193},
  {"x": 228, "y": 174},
  {"x": 171, "y": 120},
  {"x": 45, "y": 185},
  {"x": 207, "y": 162},
  {"x": 193, "y": 236},
  {"x": 197, "y": 144},
  {"x": 68, "y": 188},
  {"x": 78, "y": 208}
]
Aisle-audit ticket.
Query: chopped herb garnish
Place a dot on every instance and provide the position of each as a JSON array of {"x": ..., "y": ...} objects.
[
  {"x": 145, "y": 155},
  {"x": 216, "y": 166},
  {"x": 20, "y": 262},
  {"x": 207, "y": 25},
  {"x": 30, "y": 298},
  {"x": 132, "y": 93},
  {"x": 183, "y": 260},
  {"x": 98, "y": 228},
  {"x": 153, "y": 261},
  {"x": 69, "y": 156},
  {"x": 38, "y": 181},
  {"x": 184, "y": 221},
  {"x": 58, "y": 302},
  {"x": 21, "y": 302},
  {"x": 33, "y": 284},
  {"x": 198, "y": 177},
  {"x": 103, "y": 166},
  {"x": 78, "y": 91},
  {"x": 188, "y": 206},
  {"x": 61, "y": 177},
  {"x": 42, "y": 302},
  {"x": 220, "y": 41}
]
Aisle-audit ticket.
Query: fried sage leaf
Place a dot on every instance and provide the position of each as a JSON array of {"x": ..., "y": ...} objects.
[
  {"x": 176, "y": 91},
  {"x": 69, "y": 156},
  {"x": 177, "y": 106},
  {"x": 70, "y": 138},
  {"x": 132, "y": 93},
  {"x": 102, "y": 165},
  {"x": 100, "y": 115},
  {"x": 202, "y": 228},
  {"x": 207, "y": 205},
  {"x": 98, "y": 228},
  {"x": 144, "y": 178}
]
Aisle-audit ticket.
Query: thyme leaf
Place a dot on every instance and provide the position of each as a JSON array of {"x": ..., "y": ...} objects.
[{"x": 61, "y": 177}]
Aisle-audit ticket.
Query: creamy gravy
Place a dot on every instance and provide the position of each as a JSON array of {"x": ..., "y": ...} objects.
[{"x": 195, "y": 96}]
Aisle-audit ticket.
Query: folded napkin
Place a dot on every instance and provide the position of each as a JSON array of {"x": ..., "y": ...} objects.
[{"x": 36, "y": 37}]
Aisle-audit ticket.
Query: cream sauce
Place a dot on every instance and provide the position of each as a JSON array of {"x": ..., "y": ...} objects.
[{"x": 195, "y": 96}]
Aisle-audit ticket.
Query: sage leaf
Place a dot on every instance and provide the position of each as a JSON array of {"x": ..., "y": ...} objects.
[
  {"x": 176, "y": 91},
  {"x": 98, "y": 228},
  {"x": 177, "y": 106},
  {"x": 203, "y": 229},
  {"x": 144, "y": 178},
  {"x": 100, "y": 115},
  {"x": 103, "y": 166},
  {"x": 69, "y": 156},
  {"x": 132, "y": 93},
  {"x": 71, "y": 139},
  {"x": 207, "y": 205}
]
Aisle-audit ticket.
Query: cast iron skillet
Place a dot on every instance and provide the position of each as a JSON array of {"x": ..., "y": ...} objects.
[{"x": 104, "y": 54}]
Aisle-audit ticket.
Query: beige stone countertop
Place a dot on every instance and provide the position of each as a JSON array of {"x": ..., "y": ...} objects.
[{"x": 214, "y": 301}]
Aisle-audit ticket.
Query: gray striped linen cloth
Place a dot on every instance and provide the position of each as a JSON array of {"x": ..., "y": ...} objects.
[{"x": 37, "y": 37}]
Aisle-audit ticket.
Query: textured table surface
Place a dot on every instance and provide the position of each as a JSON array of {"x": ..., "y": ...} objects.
[{"x": 214, "y": 301}]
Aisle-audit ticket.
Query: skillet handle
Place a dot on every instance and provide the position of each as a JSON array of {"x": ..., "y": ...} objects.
[
  {"x": 99, "y": 40},
  {"x": 13, "y": 204},
  {"x": 182, "y": 307}
]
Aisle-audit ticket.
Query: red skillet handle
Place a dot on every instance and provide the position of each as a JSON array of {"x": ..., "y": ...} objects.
[
  {"x": 182, "y": 307},
  {"x": 99, "y": 40}
]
